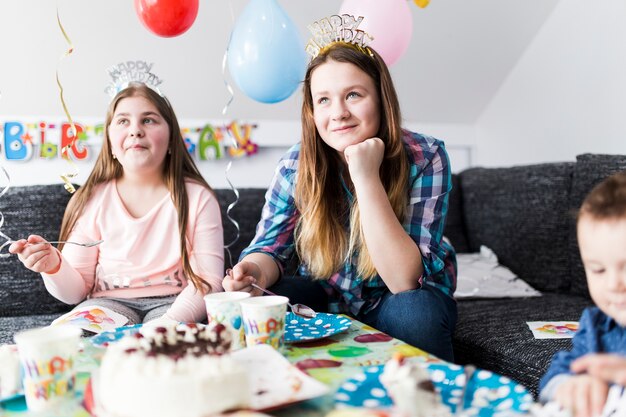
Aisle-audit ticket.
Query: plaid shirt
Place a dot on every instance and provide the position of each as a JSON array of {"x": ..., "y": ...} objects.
[{"x": 430, "y": 182}]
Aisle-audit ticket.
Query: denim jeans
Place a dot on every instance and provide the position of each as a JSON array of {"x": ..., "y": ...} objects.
[{"x": 424, "y": 318}]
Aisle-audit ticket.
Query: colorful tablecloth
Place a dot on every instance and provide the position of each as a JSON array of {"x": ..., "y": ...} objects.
[{"x": 349, "y": 363}]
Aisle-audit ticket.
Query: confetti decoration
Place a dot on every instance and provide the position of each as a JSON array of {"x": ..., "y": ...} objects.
[
  {"x": 4, "y": 236},
  {"x": 235, "y": 145},
  {"x": 65, "y": 150}
]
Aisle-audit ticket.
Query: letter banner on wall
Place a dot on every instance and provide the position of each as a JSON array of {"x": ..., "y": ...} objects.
[{"x": 22, "y": 140}]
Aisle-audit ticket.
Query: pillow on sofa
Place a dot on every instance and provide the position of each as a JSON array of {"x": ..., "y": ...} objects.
[
  {"x": 521, "y": 214},
  {"x": 589, "y": 171},
  {"x": 481, "y": 276}
]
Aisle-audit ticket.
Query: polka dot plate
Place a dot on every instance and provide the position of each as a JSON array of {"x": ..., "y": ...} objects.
[
  {"x": 300, "y": 329},
  {"x": 111, "y": 336},
  {"x": 487, "y": 394}
]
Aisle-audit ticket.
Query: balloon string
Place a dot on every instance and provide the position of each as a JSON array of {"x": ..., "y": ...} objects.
[
  {"x": 4, "y": 236},
  {"x": 235, "y": 145},
  {"x": 65, "y": 150}
]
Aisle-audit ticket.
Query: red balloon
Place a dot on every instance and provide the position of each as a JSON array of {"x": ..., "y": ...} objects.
[{"x": 167, "y": 18}]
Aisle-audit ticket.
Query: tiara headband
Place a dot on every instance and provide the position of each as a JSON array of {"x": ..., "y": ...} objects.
[
  {"x": 334, "y": 29},
  {"x": 125, "y": 73}
]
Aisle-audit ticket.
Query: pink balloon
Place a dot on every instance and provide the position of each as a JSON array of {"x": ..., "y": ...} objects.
[{"x": 389, "y": 22}]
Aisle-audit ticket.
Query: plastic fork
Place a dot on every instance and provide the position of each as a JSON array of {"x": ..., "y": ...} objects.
[
  {"x": 84, "y": 244},
  {"x": 297, "y": 309}
]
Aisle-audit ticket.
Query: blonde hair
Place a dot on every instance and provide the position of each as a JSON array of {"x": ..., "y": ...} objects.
[
  {"x": 321, "y": 240},
  {"x": 607, "y": 200},
  {"x": 178, "y": 167}
]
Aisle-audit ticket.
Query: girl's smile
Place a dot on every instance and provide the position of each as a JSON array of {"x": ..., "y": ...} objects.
[
  {"x": 139, "y": 136},
  {"x": 346, "y": 106}
]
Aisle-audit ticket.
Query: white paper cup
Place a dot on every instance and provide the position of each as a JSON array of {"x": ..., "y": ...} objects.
[
  {"x": 47, "y": 356},
  {"x": 224, "y": 308},
  {"x": 264, "y": 320}
]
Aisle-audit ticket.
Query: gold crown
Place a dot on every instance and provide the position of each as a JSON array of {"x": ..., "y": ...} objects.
[
  {"x": 125, "y": 73},
  {"x": 334, "y": 29}
]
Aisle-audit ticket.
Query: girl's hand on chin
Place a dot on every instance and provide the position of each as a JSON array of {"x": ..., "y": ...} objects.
[{"x": 364, "y": 159}]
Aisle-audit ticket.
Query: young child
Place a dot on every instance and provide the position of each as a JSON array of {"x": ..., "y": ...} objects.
[
  {"x": 364, "y": 204},
  {"x": 579, "y": 380},
  {"x": 159, "y": 221}
]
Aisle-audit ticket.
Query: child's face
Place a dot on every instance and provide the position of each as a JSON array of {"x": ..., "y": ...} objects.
[
  {"x": 139, "y": 136},
  {"x": 345, "y": 104},
  {"x": 603, "y": 250}
]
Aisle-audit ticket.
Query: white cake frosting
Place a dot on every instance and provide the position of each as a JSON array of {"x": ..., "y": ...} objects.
[
  {"x": 410, "y": 388},
  {"x": 171, "y": 371},
  {"x": 10, "y": 379}
]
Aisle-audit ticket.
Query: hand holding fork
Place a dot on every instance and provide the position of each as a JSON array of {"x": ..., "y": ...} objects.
[{"x": 37, "y": 254}]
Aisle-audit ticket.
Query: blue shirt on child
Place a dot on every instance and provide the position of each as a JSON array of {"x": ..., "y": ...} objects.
[{"x": 597, "y": 333}]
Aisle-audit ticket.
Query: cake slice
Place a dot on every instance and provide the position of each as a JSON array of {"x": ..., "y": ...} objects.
[{"x": 412, "y": 391}]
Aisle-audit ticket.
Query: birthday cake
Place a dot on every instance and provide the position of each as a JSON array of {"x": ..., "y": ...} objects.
[
  {"x": 171, "y": 371},
  {"x": 412, "y": 391}
]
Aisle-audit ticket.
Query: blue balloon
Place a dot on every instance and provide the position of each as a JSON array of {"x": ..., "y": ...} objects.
[{"x": 266, "y": 56}]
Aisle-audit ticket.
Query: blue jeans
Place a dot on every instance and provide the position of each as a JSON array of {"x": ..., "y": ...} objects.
[{"x": 424, "y": 318}]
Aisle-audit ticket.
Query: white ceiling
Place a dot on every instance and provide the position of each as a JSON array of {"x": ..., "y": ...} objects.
[{"x": 461, "y": 52}]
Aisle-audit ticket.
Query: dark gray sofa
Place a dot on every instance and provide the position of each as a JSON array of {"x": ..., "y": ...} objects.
[{"x": 523, "y": 213}]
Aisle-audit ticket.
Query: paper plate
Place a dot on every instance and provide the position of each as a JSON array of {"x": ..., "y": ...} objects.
[
  {"x": 487, "y": 394},
  {"x": 105, "y": 338},
  {"x": 300, "y": 329}
]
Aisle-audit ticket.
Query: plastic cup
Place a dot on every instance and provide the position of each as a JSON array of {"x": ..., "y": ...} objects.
[
  {"x": 224, "y": 308},
  {"x": 47, "y": 356},
  {"x": 264, "y": 320}
]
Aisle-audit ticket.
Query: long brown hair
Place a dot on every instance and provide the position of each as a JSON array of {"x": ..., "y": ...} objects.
[
  {"x": 178, "y": 167},
  {"x": 321, "y": 240}
]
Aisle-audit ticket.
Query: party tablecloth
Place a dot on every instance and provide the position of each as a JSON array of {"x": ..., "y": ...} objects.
[{"x": 348, "y": 363}]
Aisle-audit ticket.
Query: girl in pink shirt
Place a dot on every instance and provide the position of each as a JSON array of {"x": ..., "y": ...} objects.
[{"x": 159, "y": 220}]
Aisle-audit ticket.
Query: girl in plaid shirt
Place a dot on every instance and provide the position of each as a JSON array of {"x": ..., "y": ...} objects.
[{"x": 363, "y": 204}]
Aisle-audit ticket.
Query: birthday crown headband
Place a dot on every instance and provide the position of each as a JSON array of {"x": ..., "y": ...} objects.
[
  {"x": 125, "y": 73},
  {"x": 338, "y": 29}
]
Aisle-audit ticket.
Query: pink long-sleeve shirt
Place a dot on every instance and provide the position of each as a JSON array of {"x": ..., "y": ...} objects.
[{"x": 140, "y": 257}]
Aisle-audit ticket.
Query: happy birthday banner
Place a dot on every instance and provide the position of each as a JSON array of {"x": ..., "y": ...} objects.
[{"x": 25, "y": 140}]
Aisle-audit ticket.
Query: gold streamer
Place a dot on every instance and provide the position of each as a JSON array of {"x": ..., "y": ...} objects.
[{"x": 65, "y": 150}]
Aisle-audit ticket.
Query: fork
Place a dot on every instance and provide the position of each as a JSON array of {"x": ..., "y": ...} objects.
[
  {"x": 84, "y": 244},
  {"x": 297, "y": 309}
]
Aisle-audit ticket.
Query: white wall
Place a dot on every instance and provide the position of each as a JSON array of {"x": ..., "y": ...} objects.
[
  {"x": 503, "y": 82},
  {"x": 567, "y": 94},
  {"x": 104, "y": 33}
]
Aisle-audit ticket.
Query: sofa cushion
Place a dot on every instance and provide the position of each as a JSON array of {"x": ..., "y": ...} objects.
[
  {"x": 35, "y": 209},
  {"x": 521, "y": 213},
  {"x": 590, "y": 170},
  {"x": 246, "y": 212},
  {"x": 455, "y": 229},
  {"x": 493, "y": 334},
  {"x": 11, "y": 325}
]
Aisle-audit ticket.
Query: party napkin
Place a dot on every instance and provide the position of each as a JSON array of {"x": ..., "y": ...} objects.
[
  {"x": 553, "y": 329},
  {"x": 93, "y": 318}
]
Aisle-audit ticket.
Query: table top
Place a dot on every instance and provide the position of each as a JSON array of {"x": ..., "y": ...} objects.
[{"x": 332, "y": 360}]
